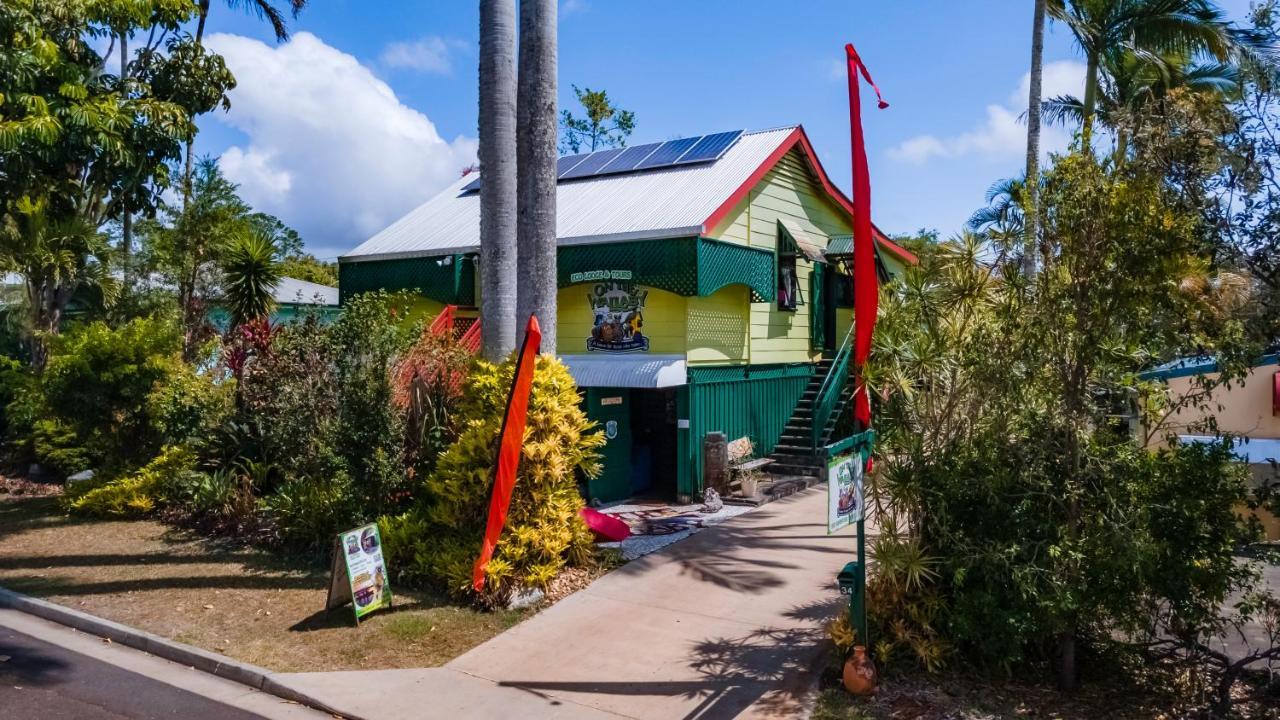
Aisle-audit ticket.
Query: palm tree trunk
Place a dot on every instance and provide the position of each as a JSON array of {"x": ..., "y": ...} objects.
[
  {"x": 1031, "y": 212},
  {"x": 189, "y": 164},
  {"x": 1090, "y": 95},
  {"x": 498, "y": 186},
  {"x": 536, "y": 168},
  {"x": 126, "y": 219}
]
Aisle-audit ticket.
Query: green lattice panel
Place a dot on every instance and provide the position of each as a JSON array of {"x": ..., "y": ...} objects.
[
  {"x": 446, "y": 282},
  {"x": 670, "y": 265},
  {"x": 721, "y": 264}
]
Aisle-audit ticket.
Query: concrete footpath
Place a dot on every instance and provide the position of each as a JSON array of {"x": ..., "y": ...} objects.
[{"x": 729, "y": 623}]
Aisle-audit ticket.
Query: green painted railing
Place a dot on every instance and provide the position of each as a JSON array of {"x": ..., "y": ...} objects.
[{"x": 828, "y": 397}]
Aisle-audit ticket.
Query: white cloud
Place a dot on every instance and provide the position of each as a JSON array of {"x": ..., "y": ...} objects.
[
  {"x": 1004, "y": 133},
  {"x": 431, "y": 54},
  {"x": 331, "y": 150},
  {"x": 569, "y": 7}
]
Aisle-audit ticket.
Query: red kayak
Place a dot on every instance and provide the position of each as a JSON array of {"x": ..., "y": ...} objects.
[{"x": 607, "y": 528}]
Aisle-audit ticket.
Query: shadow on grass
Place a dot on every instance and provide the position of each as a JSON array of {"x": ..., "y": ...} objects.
[
  {"x": 341, "y": 616},
  {"x": 23, "y": 514}
]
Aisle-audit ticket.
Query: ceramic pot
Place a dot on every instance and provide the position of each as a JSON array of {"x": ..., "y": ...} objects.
[
  {"x": 750, "y": 484},
  {"x": 860, "y": 673}
]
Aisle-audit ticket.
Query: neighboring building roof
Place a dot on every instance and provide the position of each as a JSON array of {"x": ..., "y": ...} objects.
[
  {"x": 1198, "y": 365},
  {"x": 293, "y": 291},
  {"x": 1255, "y": 451},
  {"x": 678, "y": 201}
]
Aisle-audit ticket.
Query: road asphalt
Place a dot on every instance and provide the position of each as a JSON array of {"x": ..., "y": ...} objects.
[{"x": 55, "y": 673}]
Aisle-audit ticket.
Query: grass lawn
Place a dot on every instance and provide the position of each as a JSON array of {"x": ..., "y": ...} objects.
[{"x": 245, "y": 603}]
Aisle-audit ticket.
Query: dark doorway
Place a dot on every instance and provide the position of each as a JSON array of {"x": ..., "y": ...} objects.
[
  {"x": 653, "y": 443},
  {"x": 838, "y": 288}
]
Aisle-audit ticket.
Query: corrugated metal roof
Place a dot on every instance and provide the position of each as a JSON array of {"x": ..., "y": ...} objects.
[
  {"x": 807, "y": 246},
  {"x": 301, "y": 292},
  {"x": 648, "y": 371},
  {"x": 669, "y": 202}
]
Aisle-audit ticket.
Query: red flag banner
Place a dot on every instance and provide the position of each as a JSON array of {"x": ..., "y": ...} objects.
[
  {"x": 510, "y": 442},
  {"x": 866, "y": 287}
]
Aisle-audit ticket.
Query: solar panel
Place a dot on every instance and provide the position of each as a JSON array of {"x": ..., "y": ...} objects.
[
  {"x": 710, "y": 147},
  {"x": 703, "y": 148},
  {"x": 668, "y": 153},
  {"x": 566, "y": 163},
  {"x": 592, "y": 163},
  {"x": 629, "y": 159}
]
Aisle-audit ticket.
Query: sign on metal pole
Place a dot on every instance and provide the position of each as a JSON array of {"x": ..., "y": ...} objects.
[{"x": 844, "y": 490}]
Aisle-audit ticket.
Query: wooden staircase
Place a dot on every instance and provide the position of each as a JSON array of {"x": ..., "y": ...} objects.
[{"x": 800, "y": 452}]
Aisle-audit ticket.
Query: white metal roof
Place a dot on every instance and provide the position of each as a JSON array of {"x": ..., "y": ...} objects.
[
  {"x": 668, "y": 202},
  {"x": 637, "y": 371},
  {"x": 302, "y": 292}
]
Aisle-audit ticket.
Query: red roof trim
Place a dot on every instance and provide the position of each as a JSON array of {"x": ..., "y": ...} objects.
[{"x": 798, "y": 137}]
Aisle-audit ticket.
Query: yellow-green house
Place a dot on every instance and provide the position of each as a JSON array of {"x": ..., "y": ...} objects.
[{"x": 705, "y": 287}]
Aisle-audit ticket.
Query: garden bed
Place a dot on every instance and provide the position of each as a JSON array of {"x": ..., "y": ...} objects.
[{"x": 246, "y": 603}]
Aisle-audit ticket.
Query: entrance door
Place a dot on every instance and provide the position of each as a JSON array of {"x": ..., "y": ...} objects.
[
  {"x": 830, "y": 299},
  {"x": 653, "y": 442},
  {"x": 611, "y": 409}
]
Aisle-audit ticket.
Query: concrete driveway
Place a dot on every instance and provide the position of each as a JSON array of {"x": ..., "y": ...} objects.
[{"x": 728, "y": 623}]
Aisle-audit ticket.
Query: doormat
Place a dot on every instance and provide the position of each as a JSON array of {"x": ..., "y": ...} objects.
[{"x": 663, "y": 519}]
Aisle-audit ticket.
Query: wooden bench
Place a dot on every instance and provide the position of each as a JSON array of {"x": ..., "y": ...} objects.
[{"x": 740, "y": 460}]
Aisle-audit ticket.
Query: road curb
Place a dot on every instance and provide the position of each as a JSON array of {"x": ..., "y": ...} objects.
[{"x": 220, "y": 665}]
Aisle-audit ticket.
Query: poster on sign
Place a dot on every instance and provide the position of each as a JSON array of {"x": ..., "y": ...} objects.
[
  {"x": 844, "y": 491},
  {"x": 359, "y": 574}
]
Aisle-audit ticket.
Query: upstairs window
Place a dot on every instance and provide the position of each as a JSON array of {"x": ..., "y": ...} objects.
[{"x": 788, "y": 285}]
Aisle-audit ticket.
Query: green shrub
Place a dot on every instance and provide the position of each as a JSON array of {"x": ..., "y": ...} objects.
[
  {"x": 138, "y": 492},
  {"x": 58, "y": 448},
  {"x": 98, "y": 381},
  {"x": 438, "y": 542},
  {"x": 187, "y": 406},
  {"x": 308, "y": 512}
]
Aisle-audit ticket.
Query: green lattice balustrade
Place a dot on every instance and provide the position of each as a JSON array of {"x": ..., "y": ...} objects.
[
  {"x": 448, "y": 279},
  {"x": 684, "y": 266}
]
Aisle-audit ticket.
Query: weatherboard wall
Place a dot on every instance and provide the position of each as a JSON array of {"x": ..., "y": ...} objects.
[{"x": 789, "y": 191}]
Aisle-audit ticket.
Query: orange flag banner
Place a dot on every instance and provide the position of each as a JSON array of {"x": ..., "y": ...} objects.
[{"x": 510, "y": 443}]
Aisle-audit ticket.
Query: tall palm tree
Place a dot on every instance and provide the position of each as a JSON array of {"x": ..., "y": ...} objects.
[
  {"x": 57, "y": 257},
  {"x": 498, "y": 168},
  {"x": 1033, "y": 137},
  {"x": 1192, "y": 28},
  {"x": 536, "y": 168},
  {"x": 1133, "y": 89},
  {"x": 1004, "y": 219},
  {"x": 265, "y": 10}
]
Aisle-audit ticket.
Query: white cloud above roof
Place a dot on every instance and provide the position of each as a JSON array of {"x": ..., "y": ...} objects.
[{"x": 330, "y": 148}]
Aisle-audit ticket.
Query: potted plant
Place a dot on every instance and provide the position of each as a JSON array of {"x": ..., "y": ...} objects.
[{"x": 750, "y": 483}]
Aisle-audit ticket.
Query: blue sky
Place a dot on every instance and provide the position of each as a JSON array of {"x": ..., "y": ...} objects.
[{"x": 371, "y": 108}]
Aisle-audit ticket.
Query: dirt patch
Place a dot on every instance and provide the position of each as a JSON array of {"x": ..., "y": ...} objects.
[
  {"x": 245, "y": 603},
  {"x": 22, "y": 487}
]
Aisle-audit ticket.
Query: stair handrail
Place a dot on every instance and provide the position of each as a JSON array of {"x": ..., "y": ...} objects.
[
  {"x": 828, "y": 395},
  {"x": 470, "y": 340},
  {"x": 444, "y": 321}
]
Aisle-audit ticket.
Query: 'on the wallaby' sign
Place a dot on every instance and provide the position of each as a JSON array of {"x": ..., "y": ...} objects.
[
  {"x": 358, "y": 555},
  {"x": 844, "y": 490}
]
